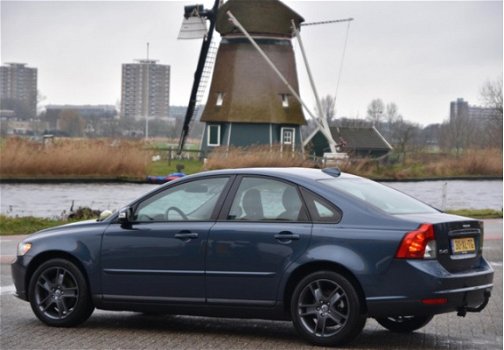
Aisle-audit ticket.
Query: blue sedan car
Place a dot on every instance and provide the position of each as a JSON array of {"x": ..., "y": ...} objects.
[{"x": 324, "y": 249}]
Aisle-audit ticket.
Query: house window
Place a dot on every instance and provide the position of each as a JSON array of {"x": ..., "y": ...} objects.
[
  {"x": 288, "y": 137},
  {"x": 220, "y": 99},
  {"x": 214, "y": 135},
  {"x": 285, "y": 100}
]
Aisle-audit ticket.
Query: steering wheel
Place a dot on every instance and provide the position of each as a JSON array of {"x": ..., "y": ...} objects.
[{"x": 180, "y": 212}]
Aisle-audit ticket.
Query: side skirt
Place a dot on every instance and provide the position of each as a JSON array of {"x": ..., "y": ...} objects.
[{"x": 245, "y": 309}]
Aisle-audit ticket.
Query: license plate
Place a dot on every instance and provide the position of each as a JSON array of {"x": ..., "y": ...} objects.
[{"x": 463, "y": 245}]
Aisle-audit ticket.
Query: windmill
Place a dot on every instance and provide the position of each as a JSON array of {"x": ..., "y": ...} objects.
[{"x": 254, "y": 97}]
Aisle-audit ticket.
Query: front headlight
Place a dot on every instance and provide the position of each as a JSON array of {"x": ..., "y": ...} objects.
[{"x": 23, "y": 248}]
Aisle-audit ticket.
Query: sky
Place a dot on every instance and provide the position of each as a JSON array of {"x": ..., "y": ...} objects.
[{"x": 418, "y": 54}]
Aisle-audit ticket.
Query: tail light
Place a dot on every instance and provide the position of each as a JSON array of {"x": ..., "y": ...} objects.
[{"x": 418, "y": 244}]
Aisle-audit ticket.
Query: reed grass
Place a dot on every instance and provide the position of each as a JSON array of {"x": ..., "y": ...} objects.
[
  {"x": 106, "y": 158},
  {"x": 472, "y": 163},
  {"x": 420, "y": 165},
  {"x": 73, "y": 158},
  {"x": 255, "y": 157}
]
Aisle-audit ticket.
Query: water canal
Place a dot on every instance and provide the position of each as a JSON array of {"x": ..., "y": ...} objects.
[{"x": 51, "y": 200}]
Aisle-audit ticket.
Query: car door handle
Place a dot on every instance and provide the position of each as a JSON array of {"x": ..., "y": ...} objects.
[
  {"x": 186, "y": 235},
  {"x": 286, "y": 237}
]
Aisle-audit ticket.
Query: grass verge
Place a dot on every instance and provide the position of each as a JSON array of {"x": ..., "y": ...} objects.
[
  {"x": 478, "y": 213},
  {"x": 162, "y": 168},
  {"x": 27, "y": 224}
]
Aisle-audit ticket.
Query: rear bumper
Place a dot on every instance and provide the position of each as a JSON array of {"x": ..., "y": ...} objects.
[{"x": 423, "y": 280}]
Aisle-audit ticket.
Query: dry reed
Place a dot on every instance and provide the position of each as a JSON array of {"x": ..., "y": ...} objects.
[
  {"x": 73, "y": 158},
  {"x": 484, "y": 162},
  {"x": 420, "y": 165},
  {"x": 255, "y": 157}
]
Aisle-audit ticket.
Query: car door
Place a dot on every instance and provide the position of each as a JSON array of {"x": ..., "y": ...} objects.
[
  {"x": 159, "y": 255},
  {"x": 263, "y": 228}
]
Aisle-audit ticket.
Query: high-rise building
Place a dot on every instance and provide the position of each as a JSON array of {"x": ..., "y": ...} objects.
[
  {"x": 461, "y": 109},
  {"x": 145, "y": 90},
  {"x": 18, "y": 90}
]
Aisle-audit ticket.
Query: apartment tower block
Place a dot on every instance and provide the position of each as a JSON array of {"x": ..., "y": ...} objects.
[
  {"x": 18, "y": 90},
  {"x": 145, "y": 90}
]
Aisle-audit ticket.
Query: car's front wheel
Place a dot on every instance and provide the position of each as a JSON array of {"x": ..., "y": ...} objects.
[
  {"x": 326, "y": 309},
  {"x": 404, "y": 324},
  {"x": 59, "y": 295}
]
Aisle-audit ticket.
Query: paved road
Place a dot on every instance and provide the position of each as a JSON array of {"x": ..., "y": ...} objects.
[{"x": 127, "y": 330}]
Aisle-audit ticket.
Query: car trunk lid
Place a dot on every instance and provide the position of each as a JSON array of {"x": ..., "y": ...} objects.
[
  {"x": 459, "y": 240},
  {"x": 459, "y": 244}
]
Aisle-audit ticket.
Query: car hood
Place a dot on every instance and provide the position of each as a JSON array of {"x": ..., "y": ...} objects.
[{"x": 74, "y": 227}]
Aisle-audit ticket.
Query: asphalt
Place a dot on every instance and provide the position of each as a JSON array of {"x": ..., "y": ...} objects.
[{"x": 127, "y": 330}]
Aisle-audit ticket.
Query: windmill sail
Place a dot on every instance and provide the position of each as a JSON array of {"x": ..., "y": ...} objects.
[
  {"x": 205, "y": 46},
  {"x": 193, "y": 28},
  {"x": 207, "y": 72},
  {"x": 205, "y": 76}
]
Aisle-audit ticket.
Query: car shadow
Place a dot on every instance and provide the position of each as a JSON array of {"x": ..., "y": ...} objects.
[
  {"x": 280, "y": 334},
  {"x": 193, "y": 324}
]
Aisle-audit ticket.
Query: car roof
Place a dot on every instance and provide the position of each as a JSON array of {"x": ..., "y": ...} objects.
[{"x": 289, "y": 173}]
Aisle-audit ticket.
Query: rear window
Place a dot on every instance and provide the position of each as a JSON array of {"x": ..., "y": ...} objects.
[{"x": 379, "y": 196}]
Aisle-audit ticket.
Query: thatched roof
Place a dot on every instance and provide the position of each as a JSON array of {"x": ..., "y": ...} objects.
[
  {"x": 252, "y": 92},
  {"x": 360, "y": 141},
  {"x": 360, "y": 138},
  {"x": 267, "y": 17}
]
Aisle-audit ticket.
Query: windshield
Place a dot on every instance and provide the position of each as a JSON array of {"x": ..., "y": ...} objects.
[{"x": 379, "y": 196}]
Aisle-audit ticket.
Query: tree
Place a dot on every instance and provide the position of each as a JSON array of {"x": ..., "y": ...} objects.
[
  {"x": 328, "y": 106},
  {"x": 391, "y": 117},
  {"x": 391, "y": 112},
  {"x": 71, "y": 123},
  {"x": 491, "y": 97},
  {"x": 375, "y": 111},
  {"x": 403, "y": 133},
  {"x": 457, "y": 133}
]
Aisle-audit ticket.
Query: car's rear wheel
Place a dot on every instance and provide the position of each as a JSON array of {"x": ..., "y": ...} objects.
[
  {"x": 404, "y": 324},
  {"x": 326, "y": 309},
  {"x": 59, "y": 295}
]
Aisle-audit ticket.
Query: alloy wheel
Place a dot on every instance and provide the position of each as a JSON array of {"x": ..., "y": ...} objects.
[
  {"x": 56, "y": 293},
  {"x": 323, "y": 308}
]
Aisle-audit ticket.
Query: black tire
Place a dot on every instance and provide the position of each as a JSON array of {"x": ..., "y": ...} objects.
[
  {"x": 404, "y": 324},
  {"x": 59, "y": 295},
  {"x": 326, "y": 310}
]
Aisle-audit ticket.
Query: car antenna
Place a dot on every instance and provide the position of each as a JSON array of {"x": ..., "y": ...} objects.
[{"x": 332, "y": 171}]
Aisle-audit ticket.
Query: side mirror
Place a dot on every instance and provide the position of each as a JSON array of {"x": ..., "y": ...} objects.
[{"x": 125, "y": 215}]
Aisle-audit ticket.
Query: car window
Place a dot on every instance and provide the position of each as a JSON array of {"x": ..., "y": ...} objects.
[
  {"x": 261, "y": 199},
  {"x": 320, "y": 209},
  {"x": 379, "y": 196},
  {"x": 193, "y": 201}
]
